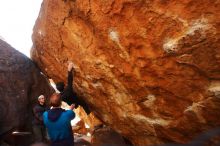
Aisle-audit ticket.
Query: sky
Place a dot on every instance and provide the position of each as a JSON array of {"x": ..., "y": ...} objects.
[{"x": 17, "y": 19}]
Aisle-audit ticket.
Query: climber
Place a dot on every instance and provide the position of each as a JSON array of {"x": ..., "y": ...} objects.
[
  {"x": 68, "y": 95},
  {"x": 39, "y": 130},
  {"x": 57, "y": 122}
]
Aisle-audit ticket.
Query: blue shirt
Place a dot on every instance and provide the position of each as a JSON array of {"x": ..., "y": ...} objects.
[{"x": 58, "y": 124}]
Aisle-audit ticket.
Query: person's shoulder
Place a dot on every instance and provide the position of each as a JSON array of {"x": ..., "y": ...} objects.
[
  {"x": 45, "y": 113},
  {"x": 36, "y": 107},
  {"x": 69, "y": 111},
  {"x": 70, "y": 114}
]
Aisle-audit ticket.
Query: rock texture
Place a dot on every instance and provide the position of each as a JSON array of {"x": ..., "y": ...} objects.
[
  {"x": 80, "y": 128},
  {"x": 91, "y": 120},
  {"x": 21, "y": 84},
  {"x": 107, "y": 136},
  {"x": 150, "y": 69}
]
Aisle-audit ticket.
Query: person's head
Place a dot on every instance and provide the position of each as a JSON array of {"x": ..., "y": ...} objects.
[
  {"x": 55, "y": 100},
  {"x": 41, "y": 100},
  {"x": 60, "y": 86}
]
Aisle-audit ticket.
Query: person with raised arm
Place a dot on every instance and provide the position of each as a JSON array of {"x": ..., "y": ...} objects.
[{"x": 67, "y": 93}]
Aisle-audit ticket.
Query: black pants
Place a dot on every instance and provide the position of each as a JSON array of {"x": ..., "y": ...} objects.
[{"x": 39, "y": 133}]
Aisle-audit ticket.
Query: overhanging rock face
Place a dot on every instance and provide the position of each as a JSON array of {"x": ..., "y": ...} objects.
[
  {"x": 21, "y": 84},
  {"x": 149, "y": 69}
]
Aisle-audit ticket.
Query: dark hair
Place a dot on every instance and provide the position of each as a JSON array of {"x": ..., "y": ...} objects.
[
  {"x": 55, "y": 100},
  {"x": 60, "y": 86}
]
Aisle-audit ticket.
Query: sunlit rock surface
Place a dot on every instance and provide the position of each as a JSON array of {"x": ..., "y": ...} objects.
[
  {"x": 91, "y": 121},
  {"x": 148, "y": 69},
  {"x": 21, "y": 84}
]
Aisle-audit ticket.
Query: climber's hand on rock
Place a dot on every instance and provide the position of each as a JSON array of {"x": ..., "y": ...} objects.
[{"x": 70, "y": 66}]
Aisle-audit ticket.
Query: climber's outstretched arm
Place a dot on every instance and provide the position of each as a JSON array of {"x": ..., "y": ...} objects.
[{"x": 70, "y": 76}]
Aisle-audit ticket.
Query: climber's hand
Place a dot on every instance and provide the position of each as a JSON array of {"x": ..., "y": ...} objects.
[
  {"x": 72, "y": 106},
  {"x": 70, "y": 66}
]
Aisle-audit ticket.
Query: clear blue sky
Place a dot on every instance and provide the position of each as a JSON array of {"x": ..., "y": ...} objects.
[{"x": 17, "y": 21}]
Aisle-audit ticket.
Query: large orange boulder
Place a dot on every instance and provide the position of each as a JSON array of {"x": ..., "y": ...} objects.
[{"x": 150, "y": 69}]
